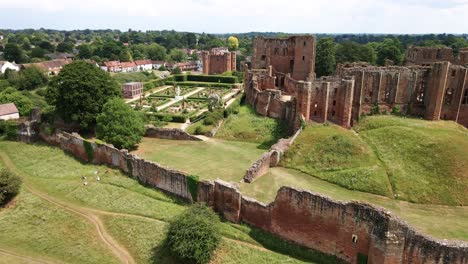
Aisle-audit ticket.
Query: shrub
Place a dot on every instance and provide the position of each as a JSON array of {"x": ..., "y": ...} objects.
[
  {"x": 9, "y": 129},
  {"x": 194, "y": 235},
  {"x": 396, "y": 110},
  {"x": 9, "y": 186},
  {"x": 212, "y": 118},
  {"x": 375, "y": 109}
]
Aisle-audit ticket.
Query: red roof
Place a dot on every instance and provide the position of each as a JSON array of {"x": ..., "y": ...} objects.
[
  {"x": 8, "y": 109},
  {"x": 128, "y": 64},
  {"x": 112, "y": 64},
  {"x": 143, "y": 62}
]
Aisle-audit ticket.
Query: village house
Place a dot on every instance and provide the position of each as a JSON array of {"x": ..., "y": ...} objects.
[
  {"x": 8, "y": 111},
  {"x": 158, "y": 64},
  {"x": 112, "y": 66},
  {"x": 4, "y": 65},
  {"x": 129, "y": 67},
  {"x": 144, "y": 65},
  {"x": 52, "y": 67},
  {"x": 132, "y": 90}
]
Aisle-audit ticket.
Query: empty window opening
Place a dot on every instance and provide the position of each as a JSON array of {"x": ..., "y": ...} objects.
[
  {"x": 354, "y": 239},
  {"x": 465, "y": 97},
  {"x": 336, "y": 90},
  {"x": 303, "y": 58},
  {"x": 334, "y": 102},
  {"x": 454, "y": 73},
  {"x": 263, "y": 58},
  {"x": 315, "y": 113},
  {"x": 304, "y": 43},
  {"x": 333, "y": 113}
]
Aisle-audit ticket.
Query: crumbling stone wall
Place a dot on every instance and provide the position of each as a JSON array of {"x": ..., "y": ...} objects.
[
  {"x": 424, "y": 55},
  {"x": 217, "y": 63},
  {"x": 147, "y": 172},
  {"x": 343, "y": 229},
  {"x": 168, "y": 133},
  {"x": 294, "y": 55}
]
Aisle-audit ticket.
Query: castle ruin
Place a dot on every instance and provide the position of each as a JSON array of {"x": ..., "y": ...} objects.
[
  {"x": 282, "y": 84},
  {"x": 215, "y": 62}
]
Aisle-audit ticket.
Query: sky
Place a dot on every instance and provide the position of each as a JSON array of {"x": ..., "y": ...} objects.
[{"x": 236, "y": 16}]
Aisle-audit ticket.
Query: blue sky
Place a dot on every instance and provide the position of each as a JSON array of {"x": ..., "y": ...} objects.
[{"x": 222, "y": 16}]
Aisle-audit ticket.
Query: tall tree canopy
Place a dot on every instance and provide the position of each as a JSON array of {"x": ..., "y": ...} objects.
[
  {"x": 325, "y": 61},
  {"x": 80, "y": 91},
  {"x": 119, "y": 124}
]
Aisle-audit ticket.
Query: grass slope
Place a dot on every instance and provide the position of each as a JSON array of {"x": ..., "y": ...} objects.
[
  {"x": 339, "y": 156},
  {"x": 408, "y": 159},
  {"x": 427, "y": 162},
  {"x": 36, "y": 228},
  {"x": 210, "y": 159},
  {"x": 247, "y": 126},
  {"x": 134, "y": 215}
]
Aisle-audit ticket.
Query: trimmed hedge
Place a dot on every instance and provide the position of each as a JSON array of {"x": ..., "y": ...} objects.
[
  {"x": 153, "y": 83},
  {"x": 205, "y": 78},
  {"x": 169, "y": 117},
  {"x": 203, "y": 84}
]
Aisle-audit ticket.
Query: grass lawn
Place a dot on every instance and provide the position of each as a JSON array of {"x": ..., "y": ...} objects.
[
  {"x": 36, "y": 228},
  {"x": 247, "y": 126},
  {"x": 124, "y": 77},
  {"x": 339, "y": 156},
  {"x": 407, "y": 159},
  {"x": 134, "y": 215},
  {"x": 212, "y": 159},
  {"x": 445, "y": 222}
]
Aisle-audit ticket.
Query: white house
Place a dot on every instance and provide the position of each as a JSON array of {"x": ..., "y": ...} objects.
[
  {"x": 144, "y": 65},
  {"x": 8, "y": 111},
  {"x": 4, "y": 65},
  {"x": 129, "y": 67},
  {"x": 158, "y": 64}
]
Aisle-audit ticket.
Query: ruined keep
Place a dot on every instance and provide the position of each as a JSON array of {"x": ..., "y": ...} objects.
[
  {"x": 218, "y": 62},
  {"x": 282, "y": 84}
]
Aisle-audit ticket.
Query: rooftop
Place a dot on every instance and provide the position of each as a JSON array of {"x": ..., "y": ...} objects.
[{"x": 7, "y": 109}]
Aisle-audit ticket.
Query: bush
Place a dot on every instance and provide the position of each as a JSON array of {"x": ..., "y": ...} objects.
[
  {"x": 9, "y": 129},
  {"x": 194, "y": 235},
  {"x": 212, "y": 118},
  {"x": 9, "y": 186}
]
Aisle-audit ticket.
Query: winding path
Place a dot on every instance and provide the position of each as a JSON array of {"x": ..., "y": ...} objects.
[
  {"x": 28, "y": 259},
  {"x": 119, "y": 251}
]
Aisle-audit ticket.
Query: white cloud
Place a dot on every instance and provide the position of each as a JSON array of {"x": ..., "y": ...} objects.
[{"x": 394, "y": 16}]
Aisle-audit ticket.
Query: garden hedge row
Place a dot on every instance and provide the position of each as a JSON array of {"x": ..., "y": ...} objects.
[
  {"x": 202, "y": 84},
  {"x": 205, "y": 78}
]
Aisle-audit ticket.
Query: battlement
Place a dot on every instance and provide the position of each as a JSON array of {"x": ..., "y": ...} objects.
[{"x": 217, "y": 62}]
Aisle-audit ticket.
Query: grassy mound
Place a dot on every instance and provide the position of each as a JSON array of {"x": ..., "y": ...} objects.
[
  {"x": 247, "y": 126},
  {"x": 426, "y": 161},
  {"x": 339, "y": 156},
  {"x": 410, "y": 159}
]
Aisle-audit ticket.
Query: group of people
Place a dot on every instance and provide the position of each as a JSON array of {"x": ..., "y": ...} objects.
[{"x": 98, "y": 178}]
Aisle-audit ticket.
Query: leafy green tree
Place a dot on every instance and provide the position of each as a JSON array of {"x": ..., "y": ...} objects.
[
  {"x": 65, "y": 47},
  {"x": 177, "y": 70},
  {"x": 10, "y": 185},
  {"x": 80, "y": 91},
  {"x": 38, "y": 53},
  {"x": 47, "y": 46},
  {"x": 23, "y": 103},
  {"x": 233, "y": 43},
  {"x": 119, "y": 124},
  {"x": 162, "y": 68},
  {"x": 326, "y": 62},
  {"x": 389, "y": 49},
  {"x": 32, "y": 78},
  {"x": 85, "y": 51},
  {"x": 13, "y": 52},
  {"x": 178, "y": 55},
  {"x": 125, "y": 55},
  {"x": 194, "y": 235},
  {"x": 156, "y": 52},
  {"x": 354, "y": 52}
]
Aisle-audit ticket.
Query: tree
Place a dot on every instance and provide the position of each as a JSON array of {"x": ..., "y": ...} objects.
[
  {"x": 80, "y": 91},
  {"x": 233, "y": 43},
  {"x": 119, "y": 124},
  {"x": 178, "y": 55},
  {"x": 65, "y": 47},
  {"x": 162, "y": 68},
  {"x": 156, "y": 52},
  {"x": 125, "y": 55},
  {"x": 326, "y": 52},
  {"x": 38, "y": 53},
  {"x": 23, "y": 103},
  {"x": 354, "y": 52},
  {"x": 13, "y": 52},
  {"x": 9, "y": 186},
  {"x": 389, "y": 49},
  {"x": 194, "y": 235},
  {"x": 47, "y": 46},
  {"x": 32, "y": 78},
  {"x": 85, "y": 51},
  {"x": 176, "y": 70}
]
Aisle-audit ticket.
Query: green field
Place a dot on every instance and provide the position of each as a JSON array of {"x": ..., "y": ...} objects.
[
  {"x": 247, "y": 126},
  {"x": 212, "y": 159},
  {"x": 54, "y": 218}
]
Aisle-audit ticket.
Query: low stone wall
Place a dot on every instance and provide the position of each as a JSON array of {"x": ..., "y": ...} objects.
[
  {"x": 269, "y": 159},
  {"x": 347, "y": 230},
  {"x": 169, "y": 133},
  {"x": 147, "y": 172}
]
